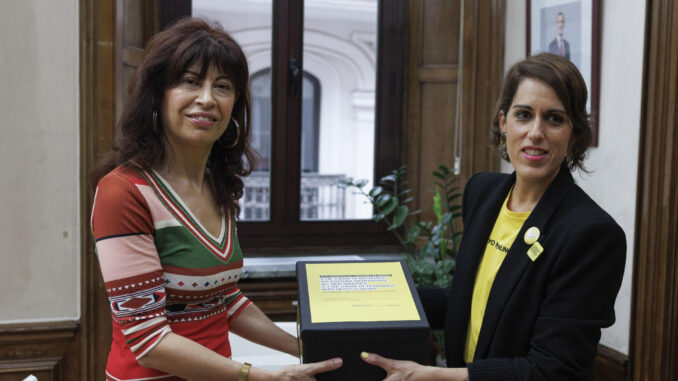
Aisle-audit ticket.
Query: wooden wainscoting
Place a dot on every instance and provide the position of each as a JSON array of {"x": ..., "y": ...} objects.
[
  {"x": 277, "y": 298},
  {"x": 611, "y": 365},
  {"x": 49, "y": 351}
]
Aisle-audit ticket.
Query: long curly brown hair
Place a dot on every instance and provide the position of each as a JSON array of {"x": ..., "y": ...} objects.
[{"x": 139, "y": 143}]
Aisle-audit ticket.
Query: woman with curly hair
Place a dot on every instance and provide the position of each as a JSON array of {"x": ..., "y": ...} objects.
[{"x": 164, "y": 217}]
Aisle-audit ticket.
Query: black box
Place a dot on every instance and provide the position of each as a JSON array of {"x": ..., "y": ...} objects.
[{"x": 402, "y": 340}]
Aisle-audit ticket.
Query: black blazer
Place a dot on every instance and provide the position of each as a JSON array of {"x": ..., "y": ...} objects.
[{"x": 543, "y": 318}]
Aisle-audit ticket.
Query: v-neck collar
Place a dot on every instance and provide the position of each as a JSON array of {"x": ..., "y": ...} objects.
[
  {"x": 221, "y": 245},
  {"x": 180, "y": 202}
]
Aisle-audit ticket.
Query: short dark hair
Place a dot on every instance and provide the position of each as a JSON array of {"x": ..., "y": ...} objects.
[
  {"x": 168, "y": 55},
  {"x": 566, "y": 81}
]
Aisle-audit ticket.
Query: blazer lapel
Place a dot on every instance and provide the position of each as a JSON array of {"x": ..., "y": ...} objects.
[
  {"x": 517, "y": 261},
  {"x": 476, "y": 233},
  {"x": 479, "y": 229}
]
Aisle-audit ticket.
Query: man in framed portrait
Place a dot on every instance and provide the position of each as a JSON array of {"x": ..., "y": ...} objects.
[{"x": 559, "y": 45}]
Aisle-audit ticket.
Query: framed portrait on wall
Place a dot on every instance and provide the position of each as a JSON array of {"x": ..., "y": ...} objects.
[{"x": 570, "y": 28}]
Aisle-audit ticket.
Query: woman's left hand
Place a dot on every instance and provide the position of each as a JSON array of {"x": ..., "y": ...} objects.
[
  {"x": 396, "y": 370},
  {"x": 401, "y": 370}
]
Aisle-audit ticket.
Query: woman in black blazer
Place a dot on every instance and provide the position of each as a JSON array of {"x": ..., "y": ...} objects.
[{"x": 555, "y": 287}]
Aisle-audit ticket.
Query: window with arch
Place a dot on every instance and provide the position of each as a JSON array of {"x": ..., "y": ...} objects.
[
  {"x": 256, "y": 203},
  {"x": 260, "y": 87},
  {"x": 326, "y": 90}
]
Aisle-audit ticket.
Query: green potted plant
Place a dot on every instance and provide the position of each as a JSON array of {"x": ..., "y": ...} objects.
[{"x": 432, "y": 245}]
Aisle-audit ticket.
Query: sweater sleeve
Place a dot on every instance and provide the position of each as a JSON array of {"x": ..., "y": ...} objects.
[
  {"x": 236, "y": 303},
  {"x": 123, "y": 232}
]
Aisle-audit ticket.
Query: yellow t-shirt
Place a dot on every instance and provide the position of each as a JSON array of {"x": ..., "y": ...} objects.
[{"x": 505, "y": 230}]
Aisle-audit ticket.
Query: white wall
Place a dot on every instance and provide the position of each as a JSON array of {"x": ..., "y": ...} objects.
[
  {"x": 39, "y": 192},
  {"x": 615, "y": 161}
]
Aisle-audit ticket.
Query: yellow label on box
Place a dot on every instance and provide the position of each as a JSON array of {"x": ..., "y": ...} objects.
[{"x": 360, "y": 292}]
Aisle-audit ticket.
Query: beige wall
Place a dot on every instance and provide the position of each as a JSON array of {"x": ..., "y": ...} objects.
[
  {"x": 39, "y": 192},
  {"x": 615, "y": 161}
]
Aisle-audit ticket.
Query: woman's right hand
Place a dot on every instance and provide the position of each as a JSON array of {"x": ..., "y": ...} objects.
[{"x": 306, "y": 372}]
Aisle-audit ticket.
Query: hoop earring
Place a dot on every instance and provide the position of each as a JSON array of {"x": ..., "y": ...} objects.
[
  {"x": 155, "y": 121},
  {"x": 237, "y": 133},
  {"x": 502, "y": 145}
]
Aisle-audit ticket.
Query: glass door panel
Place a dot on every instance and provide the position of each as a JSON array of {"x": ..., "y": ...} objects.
[
  {"x": 338, "y": 107},
  {"x": 250, "y": 24}
]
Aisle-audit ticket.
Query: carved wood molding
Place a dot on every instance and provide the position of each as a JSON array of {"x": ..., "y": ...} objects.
[
  {"x": 47, "y": 350},
  {"x": 20, "y": 328},
  {"x": 654, "y": 320},
  {"x": 276, "y": 298},
  {"x": 44, "y": 369},
  {"x": 36, "y": 332}
]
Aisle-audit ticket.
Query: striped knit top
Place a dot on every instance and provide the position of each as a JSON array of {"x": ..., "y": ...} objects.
[{"x": 163, "y": 271}]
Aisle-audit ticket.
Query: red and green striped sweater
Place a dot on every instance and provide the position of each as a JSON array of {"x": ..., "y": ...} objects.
[{"x": 162, "y": 270}]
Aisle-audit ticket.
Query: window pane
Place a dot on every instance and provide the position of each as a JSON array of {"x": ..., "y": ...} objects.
[
  {"x": 337, "y": 107},
  {"x": 250, "y": 23}
]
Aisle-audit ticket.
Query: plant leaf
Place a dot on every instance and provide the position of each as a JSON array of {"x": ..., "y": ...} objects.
[
  {"x": 454, "y": 208},
  {"x": 453, "y": 197},
  {"x": 346, "y": 182},
  {"x": 376, "y": 191},
  {"x": 444, "y": 169},
  {"x": 361, "y": 183},
  {"x": 389, "y": 178},
  {"x": 382, "y": 200},
  {"x": 437, "y": 204},
  {"x": 399, "y": 215},
  {"x": 390, "y": 205},
  {"x": 425, "y": 227},
  {"x": 413, "y": 233},
  {"x": 446, "y": 218},
  {"x": 404, "y": 191}
]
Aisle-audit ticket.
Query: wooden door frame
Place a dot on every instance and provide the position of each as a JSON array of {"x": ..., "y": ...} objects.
[
  {"x": 97, "y": 118},
  {"x": 653, "y": 345},
  {"x": 98, "y": 68},
  {"x": 476, "y": 78}
]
